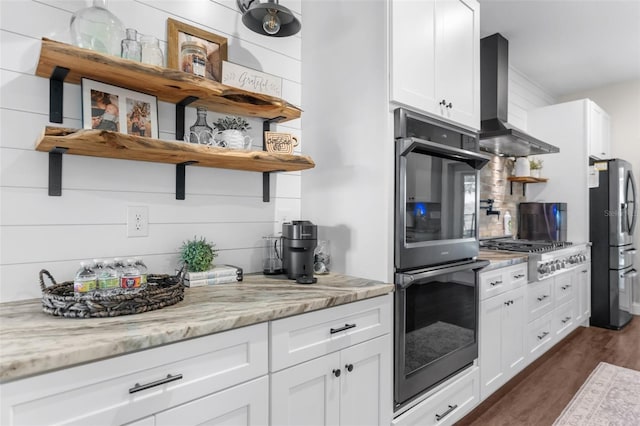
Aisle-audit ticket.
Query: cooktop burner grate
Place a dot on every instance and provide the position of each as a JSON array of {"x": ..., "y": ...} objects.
[{"x": 524, "y": 246}]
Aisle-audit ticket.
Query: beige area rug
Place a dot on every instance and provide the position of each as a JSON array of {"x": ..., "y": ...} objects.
[{"x": 610, "y": 396}]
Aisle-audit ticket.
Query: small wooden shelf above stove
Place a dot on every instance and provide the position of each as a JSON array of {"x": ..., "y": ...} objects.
[{"x": 524, "y": 180}]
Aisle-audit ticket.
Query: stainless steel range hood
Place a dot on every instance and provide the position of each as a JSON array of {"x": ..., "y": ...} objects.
[{"x": 497, "y": 136}]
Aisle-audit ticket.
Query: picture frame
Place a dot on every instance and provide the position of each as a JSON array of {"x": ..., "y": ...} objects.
[
  {"x": 179, "y": 32},
  {"x": 114, "y": 108}
]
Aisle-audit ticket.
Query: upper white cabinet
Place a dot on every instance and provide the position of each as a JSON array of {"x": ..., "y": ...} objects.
[
  {"x": 435, "y": 58},
  {"x": 599, "y": 132}
]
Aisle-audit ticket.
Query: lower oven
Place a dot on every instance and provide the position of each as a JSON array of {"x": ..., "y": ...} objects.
[{"x": 436, "y": 326}]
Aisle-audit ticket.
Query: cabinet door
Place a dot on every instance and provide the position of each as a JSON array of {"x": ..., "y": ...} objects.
[
  {"x": 458, "y": 60},
  {"x": 308, "y": 393},
  {"x": 599, "y": 132},
  {"x": 412, "y": 53},
  {"x": 365, "y": 391},
  {"x": 245, "y": 404},
  {"x": 582, "y": 282},
  {"x": 491, "y": 341},
  {"x": 513, "y": 332}
]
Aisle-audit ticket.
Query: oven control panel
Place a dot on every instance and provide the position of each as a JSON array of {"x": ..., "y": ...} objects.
[{"x": 559, "y": 261}]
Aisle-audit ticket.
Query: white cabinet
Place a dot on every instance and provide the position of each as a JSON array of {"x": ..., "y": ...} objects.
[
  {"x": 599, "y": 132},
  {"x": 447, "y": 405},
  {"x": 435, "y": 58},
  {"x": 137, "y": 386},
  {"x": 502, "y": 340},
  {"x": 581, "y": 278},
  {"x": 333, "y": 367}
]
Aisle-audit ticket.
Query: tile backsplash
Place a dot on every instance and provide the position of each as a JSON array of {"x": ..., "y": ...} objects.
[{"x": 494, "y": 185}]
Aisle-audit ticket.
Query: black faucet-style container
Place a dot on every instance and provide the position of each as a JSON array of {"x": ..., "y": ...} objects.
[{"x": 299, "y": 240}]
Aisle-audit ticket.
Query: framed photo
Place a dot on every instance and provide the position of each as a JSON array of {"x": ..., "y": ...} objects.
[
  {"x": 116, "y": 109},
  {"x": 179, "y": 33}
]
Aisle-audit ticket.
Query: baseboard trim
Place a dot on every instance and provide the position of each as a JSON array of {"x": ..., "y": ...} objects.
[{"x": 635, "y": 308}]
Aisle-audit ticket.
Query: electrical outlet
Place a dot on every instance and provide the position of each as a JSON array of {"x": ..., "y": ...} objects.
[{"x": 137, "y": 221}]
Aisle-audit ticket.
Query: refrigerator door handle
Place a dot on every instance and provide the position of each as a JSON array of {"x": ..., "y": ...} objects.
[
  {"x": 630, "y": 274},
  {"x": 634, "y": 213},
  {"x": 630, "y": 251}
]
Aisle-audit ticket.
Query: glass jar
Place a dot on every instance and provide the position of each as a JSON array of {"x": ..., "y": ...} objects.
[
  {"x": 201, "y": 132},
  {"x": 151, "y": 52},
  {"x": 131, "y": 47},
  {"x": 97, "y": 29},
  {"x": 193, "y": 58}
]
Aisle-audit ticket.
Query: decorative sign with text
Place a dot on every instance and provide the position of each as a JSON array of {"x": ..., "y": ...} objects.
[
  {"x": 282, "y": 143},
  {"x": 251, "y": 80}
]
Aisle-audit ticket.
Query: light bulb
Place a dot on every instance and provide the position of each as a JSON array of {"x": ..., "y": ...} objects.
[{"x": 271, "y": 22}]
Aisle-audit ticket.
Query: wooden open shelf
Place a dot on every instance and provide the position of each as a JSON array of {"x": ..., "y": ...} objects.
[
  {"x": 166, "y": 84},
  {"x": 102, "y": 143},
  {"x": 524, "y": 180}
]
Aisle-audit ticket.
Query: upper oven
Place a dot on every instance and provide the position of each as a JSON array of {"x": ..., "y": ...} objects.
[{"x": 436, "y": 190}]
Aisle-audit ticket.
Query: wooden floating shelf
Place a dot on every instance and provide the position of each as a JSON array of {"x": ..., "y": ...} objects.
[
  {"x": 167, "y": 85},
  {"x": 102, "y": 143},
  {"x": 526, "y": 179}
]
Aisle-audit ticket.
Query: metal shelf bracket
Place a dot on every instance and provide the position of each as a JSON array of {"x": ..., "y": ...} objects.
[
  {"x": 180, "y": 178},
  {"x": 56, "y": 89},
  {"x": 55, "y": 171},
  {"x": 266, "y": 176},
  {"x": 180, "y": 116}
]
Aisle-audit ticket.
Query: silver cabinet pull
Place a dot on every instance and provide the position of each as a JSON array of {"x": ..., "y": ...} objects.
[
  {"x": 494, "y": 283},
  {"x": 543, "y": 335},
  {"x": 541, "y": 298},
  {"x": 564, "y": 287},
  {"x": 338, "y": 330},
  {"x": 518, "y": 276},
  {"x": 565, "y": 320},
  {"x": 138, "y": 387},
  {"x": 446, "y": 413}
]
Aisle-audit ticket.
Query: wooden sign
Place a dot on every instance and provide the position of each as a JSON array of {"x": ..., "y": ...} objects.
[
  {"x": 251, "y": 80},
  {"x": 282, "y": 143}
]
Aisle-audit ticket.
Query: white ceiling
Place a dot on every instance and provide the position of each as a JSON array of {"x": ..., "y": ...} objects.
[{"x": 567, "y": 46}]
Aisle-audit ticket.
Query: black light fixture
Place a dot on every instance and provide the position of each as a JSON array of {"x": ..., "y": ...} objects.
[{"x": 268, "y": 18}]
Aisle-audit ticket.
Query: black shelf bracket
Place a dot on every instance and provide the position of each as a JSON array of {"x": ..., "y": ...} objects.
[
  {"x": 524, "y": 188},
  {"x": 55, "y": 171},
  {"x": 56, "y": 89},
  {"x": 266, "y": 176},
  {"x": 180, "y": 116},
  {"x": 180, "y": 178}
]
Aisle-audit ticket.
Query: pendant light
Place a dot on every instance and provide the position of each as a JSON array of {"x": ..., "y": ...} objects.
[{"x": 270, "y": 18}]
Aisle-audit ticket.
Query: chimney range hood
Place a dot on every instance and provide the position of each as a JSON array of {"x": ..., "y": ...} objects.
[{"x": 497, "y": 136}]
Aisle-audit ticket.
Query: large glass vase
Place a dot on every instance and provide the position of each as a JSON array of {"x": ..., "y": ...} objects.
[{"x": 98, "y": 29}]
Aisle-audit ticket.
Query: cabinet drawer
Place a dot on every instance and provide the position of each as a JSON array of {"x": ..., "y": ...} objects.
[
  {"x": 303, "y": 337},
  {"x": 539, "y": 299},
  {"x": 493, "y": 283},
  {"x": 446, "y": 406},
  {"x": 564, "y": 318},
  {"x": 564, "y": 288},
  {"x": 540, "y": 336},
  {"x": 109, "y": 391}
]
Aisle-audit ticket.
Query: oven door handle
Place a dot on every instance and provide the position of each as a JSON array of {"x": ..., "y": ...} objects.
[
  {"x": 476, "y": 160},
  {"x": 407, "y": 279}
]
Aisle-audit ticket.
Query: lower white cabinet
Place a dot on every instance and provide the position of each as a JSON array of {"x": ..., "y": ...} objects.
[
  {"x": 582, "y": 280},
  {"x": 447, "y": 405},
  {"x": 349, "y": 387},
  {"x": 124, "y": 389},
  {"x": 502, "y": 351}
]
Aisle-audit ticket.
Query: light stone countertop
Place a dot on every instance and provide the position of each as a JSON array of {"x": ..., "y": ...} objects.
[
  {"x": 32, "y": 342},
  {"x": 501, "y": 259}
]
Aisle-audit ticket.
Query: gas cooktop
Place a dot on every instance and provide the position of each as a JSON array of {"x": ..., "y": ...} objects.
[{"x": 523, "y": 246}]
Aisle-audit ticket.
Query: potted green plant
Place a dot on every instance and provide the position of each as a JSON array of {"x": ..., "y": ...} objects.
[
  {"x": 535, "y": 165},
  {"x": 198, "y": 254},
  {"x": 232, "y": 132}
]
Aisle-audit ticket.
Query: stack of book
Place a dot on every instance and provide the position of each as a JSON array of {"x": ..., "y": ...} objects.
[{"x": 220, "y": 274}]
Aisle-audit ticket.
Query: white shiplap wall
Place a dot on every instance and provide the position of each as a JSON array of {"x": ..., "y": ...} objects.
[
  {"x": 89, "y": 219},
  {"x": 524, "y": 95}
]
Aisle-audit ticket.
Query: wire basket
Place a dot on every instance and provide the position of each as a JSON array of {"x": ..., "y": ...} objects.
[{"x": 161, "y": 290}]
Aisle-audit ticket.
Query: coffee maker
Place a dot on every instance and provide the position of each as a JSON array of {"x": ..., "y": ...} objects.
[{"x": 299, "y": 240}]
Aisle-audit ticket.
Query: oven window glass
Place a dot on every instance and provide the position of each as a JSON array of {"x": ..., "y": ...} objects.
[
  {"x": 440, "y": 318},
  {"x": 440, "y": 198}
]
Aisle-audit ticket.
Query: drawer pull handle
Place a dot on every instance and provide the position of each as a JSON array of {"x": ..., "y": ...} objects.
[
  {"x": 508, "y": 302},
  {"x": 541, "y": 298},
  {"x": 518, "y": 276},
  {"x": 349, "y": 367},
  {"x": 338, "y": 330},
  {"x": 446, "y": 413},
  {"x": 336, "y": 372},
  {"x": 565, "y": 320},
  {"x": 564, "y": 287},
  {"x": 138, "y": 387},
  {"x": 584, "y": 272},
  {"x": 543, "y": 335}
]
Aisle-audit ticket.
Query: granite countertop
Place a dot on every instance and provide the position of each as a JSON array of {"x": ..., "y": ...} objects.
[
  {"x": 32, "y": 342},
  {"x": 501, "y": 259}
]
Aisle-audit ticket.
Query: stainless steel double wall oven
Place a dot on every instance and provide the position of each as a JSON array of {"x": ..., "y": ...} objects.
[{"x": 436, "y": 245}]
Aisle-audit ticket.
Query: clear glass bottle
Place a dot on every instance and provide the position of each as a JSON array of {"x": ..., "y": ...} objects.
[
  {"x": 85, "y": 280},
  {"x": 131, "y": 47},
  {"x": 143, "y": 270},
  {"x": 151, "y": 52},
  {"x": 98, "y": 29},
  {"x": 130, "y": 278},
  {"x": 201, "y": 132}
]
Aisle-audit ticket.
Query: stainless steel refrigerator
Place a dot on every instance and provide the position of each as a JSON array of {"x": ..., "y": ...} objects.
[{"x": 613, "y": 216}]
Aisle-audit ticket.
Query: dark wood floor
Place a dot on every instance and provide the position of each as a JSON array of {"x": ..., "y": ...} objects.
[{"x": 539, "y": 393}]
